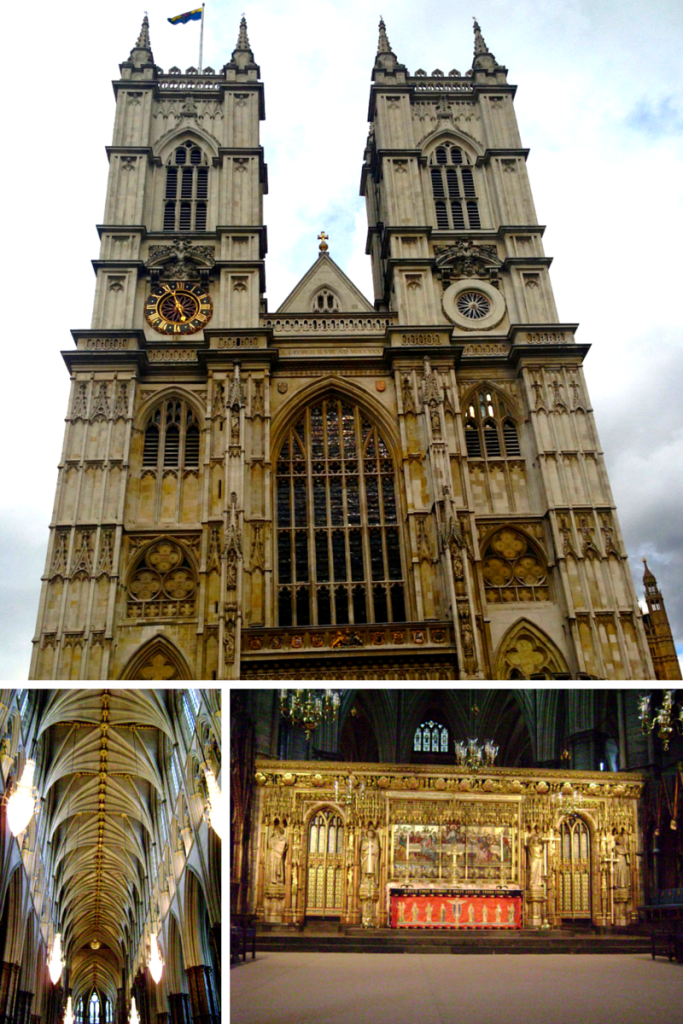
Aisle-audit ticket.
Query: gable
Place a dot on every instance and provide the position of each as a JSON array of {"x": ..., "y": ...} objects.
[{"x": 325, "y": 279}]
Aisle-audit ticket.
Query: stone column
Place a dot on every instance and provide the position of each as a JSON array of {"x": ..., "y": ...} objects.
[
  {"x": 22, "y": 1007},
  {"x": 163, "y": 1018},
  {"x": 203, "y": 996},
  {"x": 215, "y": 940},
  {"x": 179, "y": 1003},
  {"x": 35, "y": 1018},
  {"x": 9, "y": 982}
]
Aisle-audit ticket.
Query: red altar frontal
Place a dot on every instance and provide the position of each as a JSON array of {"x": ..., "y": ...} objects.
[{"x": 475, "y": 910}]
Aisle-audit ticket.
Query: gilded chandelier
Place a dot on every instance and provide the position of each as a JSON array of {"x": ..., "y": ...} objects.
[
  {"x": 664, "y": 720},
  {"x": 469, "y": 754},
  {"x": 306, "y": 709}
]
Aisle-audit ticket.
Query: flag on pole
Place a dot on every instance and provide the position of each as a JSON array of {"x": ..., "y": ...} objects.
[{"x": 182, "y": 19}]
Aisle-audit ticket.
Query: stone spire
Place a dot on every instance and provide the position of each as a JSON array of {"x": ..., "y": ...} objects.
[
  {"x": 242, "y": 56},
  {"x": 383, "y": 45},
  {"x": 483, "y": 58},
  {"x": 386, "y": 58},
  {"x": 142, "y": 51}
]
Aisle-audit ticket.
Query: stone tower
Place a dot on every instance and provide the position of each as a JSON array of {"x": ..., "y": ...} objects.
[
  {"x": 658, "y": 630},
  {"x": 406, "y": 489}
]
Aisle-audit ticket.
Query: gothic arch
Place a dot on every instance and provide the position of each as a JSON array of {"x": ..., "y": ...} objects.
[
  {"x": 527, "y": 652},
  {"x": 488, "y": 385},
  {"x": 173, "y": 391},
  {"x": 165, "y": 146},
  {"x": 158, "y": 655},
  {"x": 345, "y": 389},
  {"x": 440, "y": 135}
]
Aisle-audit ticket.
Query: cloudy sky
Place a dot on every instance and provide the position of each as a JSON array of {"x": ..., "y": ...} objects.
[{"x": 599, "y": 103}]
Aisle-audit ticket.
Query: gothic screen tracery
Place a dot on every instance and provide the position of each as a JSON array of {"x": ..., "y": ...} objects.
[
  {"x": 338, "y": 546},
  {"x": 325, "y": 864}
]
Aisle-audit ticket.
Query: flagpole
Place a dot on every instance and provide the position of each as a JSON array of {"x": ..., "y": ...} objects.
[{"x": 201, "y": 40}]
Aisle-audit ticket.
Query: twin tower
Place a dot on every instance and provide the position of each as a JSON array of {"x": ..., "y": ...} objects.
[{"x": 405, "y": 488}]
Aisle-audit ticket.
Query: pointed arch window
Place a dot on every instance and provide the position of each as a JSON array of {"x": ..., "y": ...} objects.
[
  {"x": 430, "y": 738},
  {"x": 94, "y": 1009},
  {"x": 338, "y": 544},
  {"x": 453, "y": 189},
  {"x": 171, "y": 437},
  {"x": 490, "y": 430},
  {"x": 187, "y": 189}
]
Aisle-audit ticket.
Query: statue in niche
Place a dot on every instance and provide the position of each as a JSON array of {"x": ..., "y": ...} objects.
[
  {"x": 235, "y": 427},
  {"x": 622, "y": 869},
  {"x": 535, "y": 859},
  {"x": 277, "y": 851},
  {"x": 4, "y": 749},
  {"x": 369, "y": 855},
  {"x": 407, "y": 395}
]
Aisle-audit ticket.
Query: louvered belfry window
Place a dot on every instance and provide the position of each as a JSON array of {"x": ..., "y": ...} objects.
[
  {"x": 171, "y": 437},
  {"x": 490, "y": 430},
  {"x": 338, "y": 546},
  {"x": 187, "y": 190},
  {"x": 455, "y": 197}
]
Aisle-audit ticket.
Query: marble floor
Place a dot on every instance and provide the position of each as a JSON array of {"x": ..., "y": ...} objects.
[{"x": 362, "y": 988}]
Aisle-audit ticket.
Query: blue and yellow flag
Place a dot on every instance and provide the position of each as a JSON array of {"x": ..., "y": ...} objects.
[{"x": 182, "y": 19}]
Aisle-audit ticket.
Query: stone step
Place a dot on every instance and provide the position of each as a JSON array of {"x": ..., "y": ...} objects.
[{"x": 441, "y": 943}]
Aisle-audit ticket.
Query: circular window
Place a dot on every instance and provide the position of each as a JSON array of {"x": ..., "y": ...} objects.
[{"x": 473, "y": 305}]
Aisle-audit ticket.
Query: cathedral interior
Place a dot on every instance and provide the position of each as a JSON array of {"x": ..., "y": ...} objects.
[
  {"x": 466, "y": 820},
  {"x": 110, "y": 865}
]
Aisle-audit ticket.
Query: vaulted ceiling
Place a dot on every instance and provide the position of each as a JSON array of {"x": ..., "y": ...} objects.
[{"x": 101, "y": 751}]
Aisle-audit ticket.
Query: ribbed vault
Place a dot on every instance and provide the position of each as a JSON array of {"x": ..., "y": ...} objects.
[{"x": 103, "y": 750}]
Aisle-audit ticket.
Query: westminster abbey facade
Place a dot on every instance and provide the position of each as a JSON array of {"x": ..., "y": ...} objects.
[{"x": 405, "y": 488}]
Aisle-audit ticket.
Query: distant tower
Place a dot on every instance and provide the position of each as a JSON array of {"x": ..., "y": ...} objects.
[{"x": 658, "y": 630}]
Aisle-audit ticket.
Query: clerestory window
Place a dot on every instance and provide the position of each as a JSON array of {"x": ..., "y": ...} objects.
[
  {"x": 187, "y": 189},
  {"x": 431, "y": 738},
  {"x": 338, "y": 546},
  {"x": 490, "y": 430},
  {"x": 455, "y": 197},
  {"x": 171, "y": 437}
]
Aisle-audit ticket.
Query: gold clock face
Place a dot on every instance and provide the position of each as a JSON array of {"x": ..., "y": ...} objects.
[{"x": 178, "y": 307}]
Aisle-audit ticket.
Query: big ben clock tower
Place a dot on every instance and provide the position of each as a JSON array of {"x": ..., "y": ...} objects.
[{"x": 142, "y": 572}]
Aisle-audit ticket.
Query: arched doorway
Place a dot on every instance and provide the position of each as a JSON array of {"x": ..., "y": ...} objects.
[
  {"x": 325, "y": 864},
  {"x": 574, "y": 889}
]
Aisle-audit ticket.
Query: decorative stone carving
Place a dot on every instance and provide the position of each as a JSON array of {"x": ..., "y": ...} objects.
[
  {"x": 180, "y": 261},
  {"x": 106, "y": 556},
  {"x": 82, "y": 562},
  {"x": 467, "y": 259},
  {"x": 60, "y": 554},
  {"x": 407, "y": 394},
  {"x": 100, "y": 406}
]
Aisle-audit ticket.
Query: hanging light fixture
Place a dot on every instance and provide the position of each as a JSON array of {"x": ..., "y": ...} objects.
[
  {"x": 664, "y": 720},
  {"x": 23, "y": 802},
  {"x": 156, "y": 963},
  {"x": 214, "y": 808},
  {"x": 470, "y": 753},
  {"x": 56, "y": 963},
  {"x": 134, "y": 1015},
  {"x": 69, "y": 1014},
  {"x": 306, "y": 709}
]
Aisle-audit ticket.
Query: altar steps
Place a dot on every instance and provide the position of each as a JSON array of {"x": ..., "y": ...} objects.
[{"x": 434, "y": 941}]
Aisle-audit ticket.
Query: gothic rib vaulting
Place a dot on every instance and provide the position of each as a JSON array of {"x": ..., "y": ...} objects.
[
  {"x": 118, "y": 851},
  {"x": 405, "y": 488}
]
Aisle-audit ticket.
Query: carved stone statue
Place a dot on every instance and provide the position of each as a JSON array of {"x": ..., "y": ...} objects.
[
  {"x": 277, "y": 850},
  {"x": 622, "y": 869},
  {"x": 369, "y": 855},
  {"x": 535, "y": 860}
]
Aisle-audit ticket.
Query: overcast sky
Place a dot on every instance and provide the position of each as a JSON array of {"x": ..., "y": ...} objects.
[{"x": 599, "y": 103}]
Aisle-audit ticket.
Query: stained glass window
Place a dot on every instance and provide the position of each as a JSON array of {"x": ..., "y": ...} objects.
[
  {"x": 338, "y": 545},
  {"x": 94, "y": 1009},
  {"x": 431, "y": 738}
]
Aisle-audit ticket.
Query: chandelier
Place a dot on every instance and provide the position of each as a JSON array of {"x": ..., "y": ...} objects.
[
  {"x": 134, "y": 1015},
  {"x": 569, "y": 804},
  {"x": 306, "y": 709},
  {"x": 69, "y": 1014},
  {"x": 24, "y": 800},
  {"x": 664, "y": 720},
  {"x": 56, "y": 964},
  {"x": 473, "y": 756},
  {"x": 213, "y": 813},
  {"x": 156, "y": 963}
]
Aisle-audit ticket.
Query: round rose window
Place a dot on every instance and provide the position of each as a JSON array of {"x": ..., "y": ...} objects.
[{"x": 473, "y": 305}]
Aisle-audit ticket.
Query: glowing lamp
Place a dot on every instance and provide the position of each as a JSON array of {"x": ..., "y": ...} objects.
[
  {"x": 56, "y": 963},
  {"x": 134, "y": 1015},
  {"x": 156, "y": 963},
  {"x": 21, "y": 804},
  {"x": 69, "y": 1015},
  {"x": 214, "y": 811}
]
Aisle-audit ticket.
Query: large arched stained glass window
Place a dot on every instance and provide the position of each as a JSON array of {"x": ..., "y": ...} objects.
[
  {"x": 338, "y": 554},
  {"x": 94, "y": 1009}
]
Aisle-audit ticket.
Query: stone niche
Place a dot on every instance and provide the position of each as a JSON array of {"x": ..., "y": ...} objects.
[{"x": 346, "y": 841}]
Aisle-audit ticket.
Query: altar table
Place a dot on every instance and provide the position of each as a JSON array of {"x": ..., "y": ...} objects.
[{"x": 471, "y": 908}]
